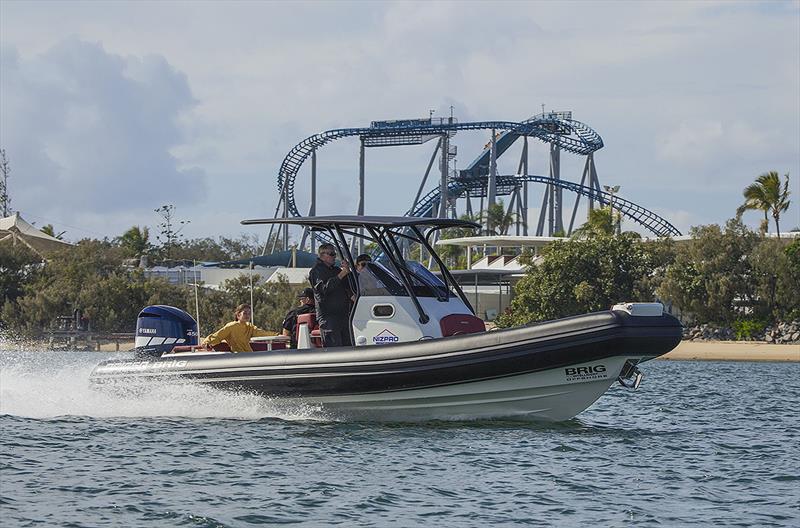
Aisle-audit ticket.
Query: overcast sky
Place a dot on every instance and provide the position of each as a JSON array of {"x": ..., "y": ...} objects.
[{"x": 109, "y": 110}]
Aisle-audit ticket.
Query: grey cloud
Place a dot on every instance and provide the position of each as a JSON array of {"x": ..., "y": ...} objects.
[
  {"x": 85, "y": 128},
  {"x": 652, "y": 78}
]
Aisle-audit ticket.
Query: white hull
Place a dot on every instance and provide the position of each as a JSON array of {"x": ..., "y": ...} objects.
[{"x": 548, "y": 395}]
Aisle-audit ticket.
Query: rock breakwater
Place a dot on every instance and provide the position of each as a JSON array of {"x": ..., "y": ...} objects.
[{"x": 780, "y": 333}]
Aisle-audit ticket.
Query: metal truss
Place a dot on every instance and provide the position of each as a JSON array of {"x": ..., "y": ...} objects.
[
  {"x": 429, "y": 204},
  {"x": 572, "y": 136}
]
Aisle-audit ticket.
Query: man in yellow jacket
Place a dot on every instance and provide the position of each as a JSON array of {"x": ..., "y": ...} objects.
[{"x": 238, "y": 333}]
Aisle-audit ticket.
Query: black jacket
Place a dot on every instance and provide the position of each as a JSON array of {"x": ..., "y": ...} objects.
[
  {"x": 331, "y": 294},
  {"x": 290, "y": 321}
]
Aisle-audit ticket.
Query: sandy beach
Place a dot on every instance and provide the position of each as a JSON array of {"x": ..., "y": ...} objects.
[{"x": 733, "y": 351}]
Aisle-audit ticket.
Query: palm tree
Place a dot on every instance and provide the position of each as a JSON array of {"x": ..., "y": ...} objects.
[
  {"x": 600, "y": 223},
  {"x": 135, "y": 241},
  {"x": 766, "y": 195},
  {"x": 497, "y": 220}
]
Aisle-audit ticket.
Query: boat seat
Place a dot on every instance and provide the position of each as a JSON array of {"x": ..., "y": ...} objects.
[
  {"x": 310, "y": 319},
  {"x": 459, "y": 324},
  {"x": 257, "y": 346}
]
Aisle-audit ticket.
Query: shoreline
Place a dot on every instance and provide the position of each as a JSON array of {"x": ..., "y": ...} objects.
[{"x": 733, "y": 351}]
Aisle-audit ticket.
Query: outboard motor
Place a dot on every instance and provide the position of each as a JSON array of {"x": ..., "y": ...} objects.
[{"x": 160, "y": 328}]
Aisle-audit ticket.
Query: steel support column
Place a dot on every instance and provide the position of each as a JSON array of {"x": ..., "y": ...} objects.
[
  {"x": 312, "y": 211},
  {"x": 360, "y": 244},
  {"x": 578, "y": 199},
  {"x": 286, "y": 215},
  {"x": 444, "y": 165},
  {"x": 593, "y": 181},
  {"x": 543, "y": 211},
  {"x": 556, "y": 222},
  {"x": 492, "y": 190},
  {"x": 427, "y": 173},
  {"x": 523, "y": 205}
]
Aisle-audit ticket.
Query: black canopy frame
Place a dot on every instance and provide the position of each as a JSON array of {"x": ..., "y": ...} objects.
[{"x": 383, "y": 230}]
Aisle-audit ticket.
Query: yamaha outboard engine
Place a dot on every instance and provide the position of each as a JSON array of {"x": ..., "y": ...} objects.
[{"x": 160, "y": 328}]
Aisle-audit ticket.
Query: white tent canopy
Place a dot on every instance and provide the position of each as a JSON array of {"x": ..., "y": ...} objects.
[{"x": 14, "y": 229}]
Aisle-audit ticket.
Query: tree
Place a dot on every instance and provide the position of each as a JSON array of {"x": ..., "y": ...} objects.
[
  {"x": 455, "y": 256},
  {"x": 245, "y": 246},
  {"x": 5, "y": 172},
  {"x": 711, "y": 276},
  {"x": 496, "y": 219},
  {"x": 200, "y": 249},
  {"x": 59, "y": 284},
  {"x": 776, "y": 280},
  {"x": 271, "y": 300},
  {"x": 135, "y": 241},
  {"x": 578, "y": 276},
  {"x": 170, "y": 233},
  {"x": 19, "y": 266},
  {"x": 767, "y": 195},
  {"x": 599, "y": 223},
  {"x": 50, "y": 230}
]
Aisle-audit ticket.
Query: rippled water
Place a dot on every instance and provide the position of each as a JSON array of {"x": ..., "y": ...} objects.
[{"x": 699, "y": 444}]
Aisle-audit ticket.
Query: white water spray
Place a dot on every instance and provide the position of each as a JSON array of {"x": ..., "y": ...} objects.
[{"x": 46, "y": 384}]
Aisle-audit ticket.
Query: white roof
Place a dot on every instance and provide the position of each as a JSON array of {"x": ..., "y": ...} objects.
[
  {"x": 293, "y": 275},
  {"x": 14, "y": 229},
  {"x": 499, "y": 241}
]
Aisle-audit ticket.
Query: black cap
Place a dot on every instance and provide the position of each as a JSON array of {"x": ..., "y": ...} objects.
[
  {"x": 308, "y": 292},
  {"x": 363, "y": 258}
]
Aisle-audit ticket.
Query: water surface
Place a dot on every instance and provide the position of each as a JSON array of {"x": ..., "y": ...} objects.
[{"x": 699, "y": 444}]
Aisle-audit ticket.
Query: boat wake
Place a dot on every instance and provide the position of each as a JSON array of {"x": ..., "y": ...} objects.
[{"x": 45, "y": 385}]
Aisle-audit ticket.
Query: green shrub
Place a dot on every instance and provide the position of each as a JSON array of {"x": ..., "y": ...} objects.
[{"x": 747, "y": 329}]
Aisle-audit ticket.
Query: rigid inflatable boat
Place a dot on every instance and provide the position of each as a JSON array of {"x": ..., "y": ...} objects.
[{"x": 420, "y": 354}]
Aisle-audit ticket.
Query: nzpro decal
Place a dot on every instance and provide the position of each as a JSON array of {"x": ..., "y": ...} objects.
[
  {"x": 385, "y": 337},
  {"x": 586, "y": 373}
]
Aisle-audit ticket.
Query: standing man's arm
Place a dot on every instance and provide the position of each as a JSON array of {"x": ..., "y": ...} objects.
[{"x": 325, "y": 286}]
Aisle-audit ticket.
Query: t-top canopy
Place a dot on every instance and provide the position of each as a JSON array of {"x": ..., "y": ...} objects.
[{"x": 364, "y": 221}]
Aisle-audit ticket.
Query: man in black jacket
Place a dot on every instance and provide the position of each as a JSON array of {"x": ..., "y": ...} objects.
[
  {"x": 289, "y": 325},
  {"x": 331, "y": 297}
]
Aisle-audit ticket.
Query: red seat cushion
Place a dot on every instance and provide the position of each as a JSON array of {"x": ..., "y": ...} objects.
[
  {"x": 310, "y": 319},
  {"x": 457, "y": 324}
]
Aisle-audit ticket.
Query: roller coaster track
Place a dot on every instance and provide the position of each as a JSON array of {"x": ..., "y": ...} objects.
[
  {"x": 572, "y": 136},
  {"x": 429, "y": 204}
]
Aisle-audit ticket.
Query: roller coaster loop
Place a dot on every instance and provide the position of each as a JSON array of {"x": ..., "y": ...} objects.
[{"x": 570, "y": 135}]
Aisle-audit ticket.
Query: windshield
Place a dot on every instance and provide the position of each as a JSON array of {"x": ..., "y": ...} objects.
[
  {"x": 426, "y": 284},
  {"x": 376, "y": 280}
]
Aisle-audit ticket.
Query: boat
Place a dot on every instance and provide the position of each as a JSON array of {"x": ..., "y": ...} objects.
[{"x": 420, "y": 351}]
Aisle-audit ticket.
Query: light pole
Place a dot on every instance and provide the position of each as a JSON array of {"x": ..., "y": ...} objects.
[{"x": 614, "y": 190}]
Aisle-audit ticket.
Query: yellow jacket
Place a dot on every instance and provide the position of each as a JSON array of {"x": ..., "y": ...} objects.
[{"x": 237, "y": 335}]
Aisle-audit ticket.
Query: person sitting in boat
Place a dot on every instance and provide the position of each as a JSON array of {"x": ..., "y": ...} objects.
[
  {"x": 306, "y": 306},
  {"x": 361, "y": 264},
  {"x": 331, "y": 297},
  {"x": 237, "y": 333}
]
